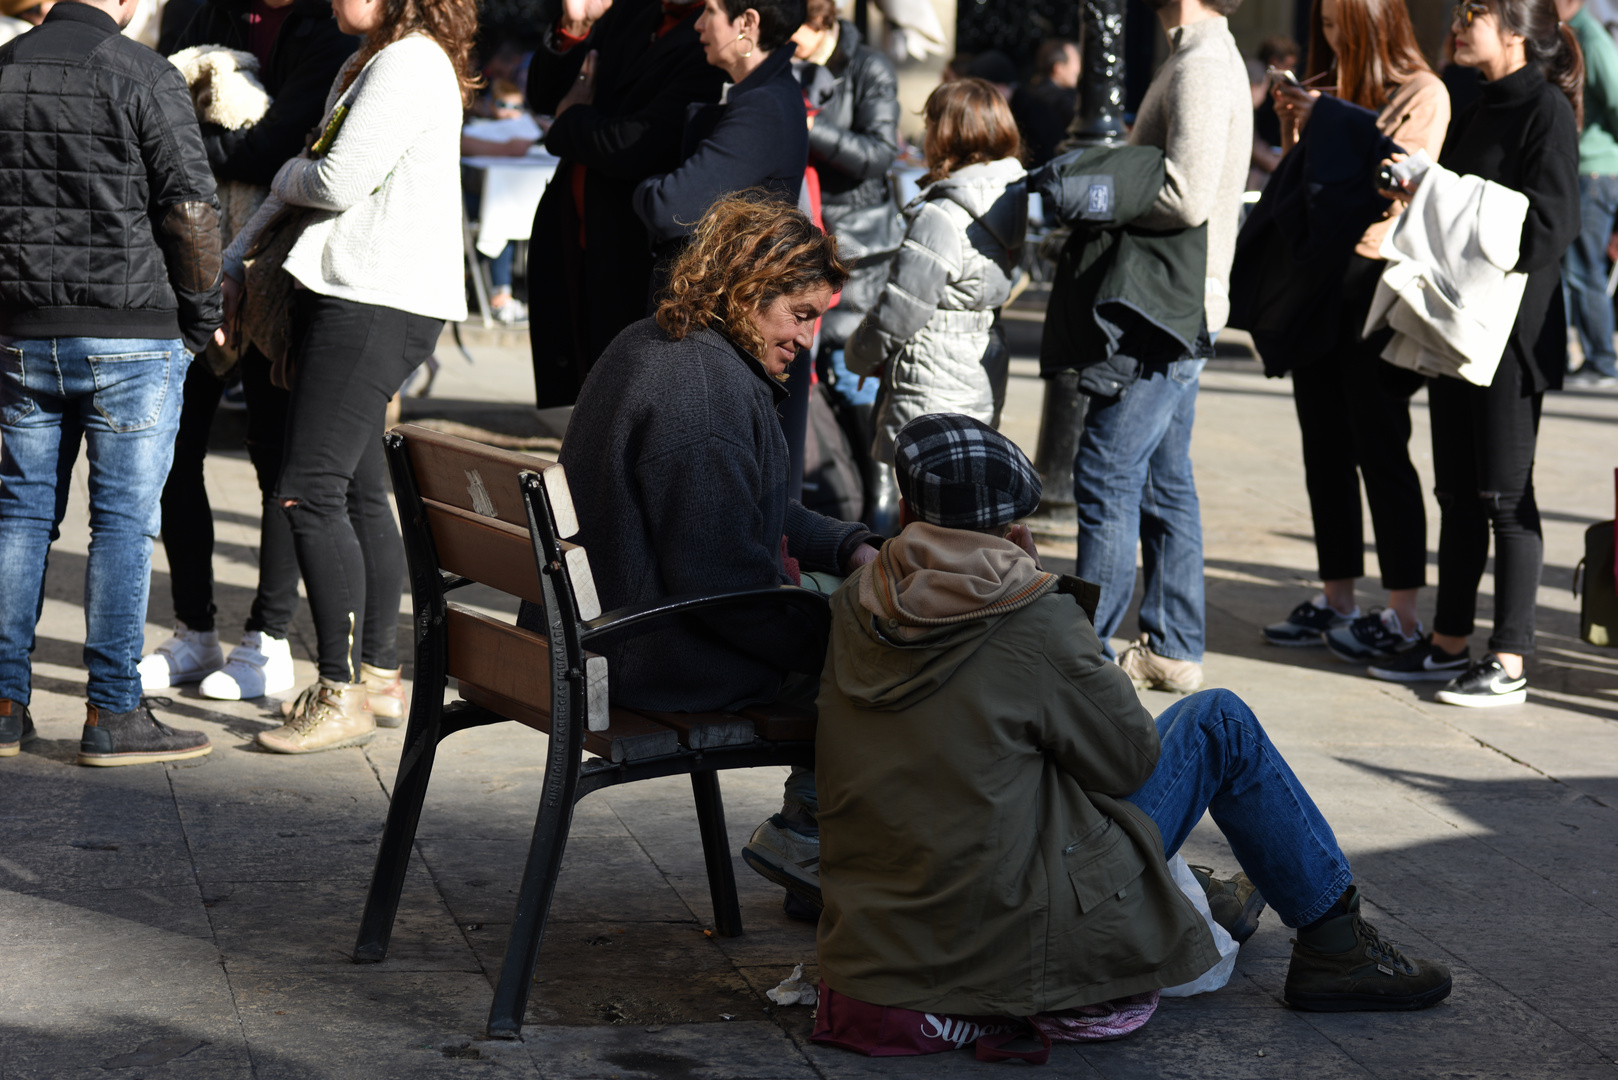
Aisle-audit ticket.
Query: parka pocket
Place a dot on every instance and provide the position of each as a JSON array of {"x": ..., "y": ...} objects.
[{"x": 1102, "y": 865}]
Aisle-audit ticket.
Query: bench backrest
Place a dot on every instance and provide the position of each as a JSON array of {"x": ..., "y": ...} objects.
[{"x": 471, "y": 502}]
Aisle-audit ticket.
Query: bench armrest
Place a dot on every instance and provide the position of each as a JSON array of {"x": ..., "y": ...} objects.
[{"x": 628, "y": 621}]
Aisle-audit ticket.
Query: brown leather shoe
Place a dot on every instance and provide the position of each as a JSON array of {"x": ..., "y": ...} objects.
[
  {"x": 135, "y": 737},
  {"x": 326, "y": 716},
  {"x": 384, "y": 689}
]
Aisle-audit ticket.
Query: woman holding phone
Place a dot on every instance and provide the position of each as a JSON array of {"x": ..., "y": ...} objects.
[
  {"x": 1523, "y": 134},
  {"x": 1353, "y": 409}
]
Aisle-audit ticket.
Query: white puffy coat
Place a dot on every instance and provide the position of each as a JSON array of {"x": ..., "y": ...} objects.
[{"x": 932, "y": 329}]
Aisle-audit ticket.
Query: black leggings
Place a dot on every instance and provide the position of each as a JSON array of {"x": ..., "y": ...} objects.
[
  {"x": 188, "y": 536},
  {"x": 1354, "y": 412},
  {"x": 350, "y": 359},
  {"x": 1483, "y": 470}
]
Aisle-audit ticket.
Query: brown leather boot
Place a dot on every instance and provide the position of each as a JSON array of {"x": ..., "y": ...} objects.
[
  {"x": 328, "y": 715},
  {"x": 384, "y": 689}
]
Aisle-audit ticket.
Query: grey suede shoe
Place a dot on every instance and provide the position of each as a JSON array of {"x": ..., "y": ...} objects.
[{"x": 135, "y": 738}]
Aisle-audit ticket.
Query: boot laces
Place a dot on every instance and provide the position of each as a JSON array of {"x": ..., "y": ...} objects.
[
  {"x": 1382, "y": 950},
  {"x": 309, "y": 710}
]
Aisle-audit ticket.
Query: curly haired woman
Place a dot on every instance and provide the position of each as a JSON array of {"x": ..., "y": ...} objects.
[
  {"x": 378, "y": 269},
  {"x": 679, "y": 474}
]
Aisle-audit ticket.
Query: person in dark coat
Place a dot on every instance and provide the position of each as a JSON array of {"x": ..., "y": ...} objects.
[
  {"x": 299, "y": 50},
  {"x": 1522, "y": 133},
  {"x": 619, "y": 119},
  {"x": 757, "y": 137},
  {"x": 1044, "y": 107}
]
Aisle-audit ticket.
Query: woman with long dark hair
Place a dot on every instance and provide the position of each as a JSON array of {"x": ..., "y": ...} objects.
[
  {"x": 377, "y": 270},
  {"x": 1522, "y": 134},
  {"x": 1353, "y": 409}
]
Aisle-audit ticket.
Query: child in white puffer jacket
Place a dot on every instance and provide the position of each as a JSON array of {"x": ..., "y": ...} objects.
[{"x": 931, "y": 336}]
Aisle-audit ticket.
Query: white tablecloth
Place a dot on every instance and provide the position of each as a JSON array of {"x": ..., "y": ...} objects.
[{"x": 511, "y": 191}]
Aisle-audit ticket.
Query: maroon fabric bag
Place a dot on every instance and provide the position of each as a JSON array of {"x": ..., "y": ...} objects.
[{"x": 889, "y": 1031}]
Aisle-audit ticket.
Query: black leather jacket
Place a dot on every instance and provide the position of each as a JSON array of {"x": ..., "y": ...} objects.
[
  {"x": 852, "y": 146},
  {"x": 308, "y": 53},
  {"x": 109, "y": 226}
]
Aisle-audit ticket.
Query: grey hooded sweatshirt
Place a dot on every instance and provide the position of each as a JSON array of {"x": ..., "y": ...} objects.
[{"x": 932, "y": 329}]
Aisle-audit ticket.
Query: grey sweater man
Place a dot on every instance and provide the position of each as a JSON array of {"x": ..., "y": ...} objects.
[{"x": 1199, "y": 112}]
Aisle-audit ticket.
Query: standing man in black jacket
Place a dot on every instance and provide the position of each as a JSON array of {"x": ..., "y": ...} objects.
[
  {"x": 618, "y": 75},
  {"x": 300, "y": 51},
  {"x": 109, "y": 281}
]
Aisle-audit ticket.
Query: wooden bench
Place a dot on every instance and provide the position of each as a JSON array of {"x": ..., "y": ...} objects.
[{"x": 473, "y": 513}]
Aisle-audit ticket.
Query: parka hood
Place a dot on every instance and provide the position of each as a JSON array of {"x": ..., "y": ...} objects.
[
  {"x": 929, "y": 601},
  {"x": 993, "y": 192}
]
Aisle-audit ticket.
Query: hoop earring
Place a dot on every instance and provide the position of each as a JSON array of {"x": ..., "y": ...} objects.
[{"x": 750, "y": 45}]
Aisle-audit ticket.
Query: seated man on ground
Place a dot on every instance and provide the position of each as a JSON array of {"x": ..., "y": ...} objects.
[{"x": 996, "y": 806}]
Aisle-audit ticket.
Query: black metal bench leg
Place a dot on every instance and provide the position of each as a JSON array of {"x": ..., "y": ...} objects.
[
  {"x": 727, "y": 910},
  {"x": 533, "y": 908},
  {"x": 399, "y": 835}
]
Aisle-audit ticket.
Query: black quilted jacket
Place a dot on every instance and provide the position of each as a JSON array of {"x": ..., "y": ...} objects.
[{"x": 109, "y": 226}]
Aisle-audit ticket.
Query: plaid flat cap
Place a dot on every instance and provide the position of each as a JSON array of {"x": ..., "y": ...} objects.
[{"x": 959, "y": 473}]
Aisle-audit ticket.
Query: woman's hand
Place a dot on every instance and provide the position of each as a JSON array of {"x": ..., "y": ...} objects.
[
  {"x": 233, "y": 302},
  {"x": 583, "y": 91},
  {"x": 578, "y": 16},
  {"x": 1293, "y": 105},
  {"x": 1406, "y": 189}
]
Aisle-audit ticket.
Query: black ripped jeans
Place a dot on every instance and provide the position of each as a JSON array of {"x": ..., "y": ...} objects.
[
  {"x": 1483, "y": 468},
  {"x": 350, "y": 359},
  {"x": 188, "y": 535}
]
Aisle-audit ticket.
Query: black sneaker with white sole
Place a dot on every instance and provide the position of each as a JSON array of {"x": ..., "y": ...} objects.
[
  {"x": 1308, "y": 621},
  {"x": 1484, "y": 685},
  {"x": 1372, "y": 637},
  {"x": 1424, "y": 663}
]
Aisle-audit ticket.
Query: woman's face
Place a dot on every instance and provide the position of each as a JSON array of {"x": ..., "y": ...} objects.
[
  {"x": 722, "y": 43},
  {"x": 787, "y": 324},
  {"x": 1329, "y": 26},
  {"x": 1480, "y": 40},
  {"x": 358, "y": 17}
]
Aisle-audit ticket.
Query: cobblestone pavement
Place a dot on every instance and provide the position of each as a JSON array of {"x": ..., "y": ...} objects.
[{"x": 195, "y": 920}]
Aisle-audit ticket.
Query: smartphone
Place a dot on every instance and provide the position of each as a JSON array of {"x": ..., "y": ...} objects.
[{"x": 1282, "y": 75}]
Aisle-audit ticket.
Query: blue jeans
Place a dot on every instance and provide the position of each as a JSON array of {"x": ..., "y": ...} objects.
[
  {"x": 1132, "y": 479},
  {"x": 846, "y": 385},
  {"x": 1584, "y": 273},
  {"x": 122, "y": 397},
  {"x": 1217, "y": 758}
]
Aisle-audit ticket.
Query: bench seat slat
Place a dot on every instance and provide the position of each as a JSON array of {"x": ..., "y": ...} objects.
[
  {"x": 781, "y": 723},
  {"x": 515, "y": 663},
  {"x": 501, "y": 555},
  {"x": 483, "y": 479},
  {"x": 705, "y": 731},
  {"x": 628, "y": 737}
]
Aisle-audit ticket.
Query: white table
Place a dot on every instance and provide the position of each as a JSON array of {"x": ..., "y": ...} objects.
[{"x": 512, "y": 188}]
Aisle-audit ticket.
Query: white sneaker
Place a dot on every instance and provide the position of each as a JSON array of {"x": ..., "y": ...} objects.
[
  {"x": 260, "y": 665},
  {"x": 184, "y": 658}
]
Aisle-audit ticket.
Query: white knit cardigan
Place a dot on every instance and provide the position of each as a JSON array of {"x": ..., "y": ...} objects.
[{"x": 389, "y": 189}]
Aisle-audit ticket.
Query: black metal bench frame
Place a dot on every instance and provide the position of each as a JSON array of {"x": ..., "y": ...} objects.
[{"x": 567, "y": 777}]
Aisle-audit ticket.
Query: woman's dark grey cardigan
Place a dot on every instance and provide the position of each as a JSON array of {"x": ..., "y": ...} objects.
[{"x": 679, "y": 471}]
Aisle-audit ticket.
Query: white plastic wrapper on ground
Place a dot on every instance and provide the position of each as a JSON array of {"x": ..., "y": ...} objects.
[{"x": 1219, "y": 974}]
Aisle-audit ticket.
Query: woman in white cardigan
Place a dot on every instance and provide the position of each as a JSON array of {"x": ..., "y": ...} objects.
[{"x": 377, "y": 270}]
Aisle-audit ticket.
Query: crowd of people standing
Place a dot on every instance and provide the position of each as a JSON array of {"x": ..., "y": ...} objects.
[{"x": 331, "y": 282}]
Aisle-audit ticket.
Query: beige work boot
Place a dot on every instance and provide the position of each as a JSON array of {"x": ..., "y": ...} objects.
[
  {"x": 1149, "y": 671},
  {"x": 326, "y": 716},
  {"x": 384, "y": 688}
]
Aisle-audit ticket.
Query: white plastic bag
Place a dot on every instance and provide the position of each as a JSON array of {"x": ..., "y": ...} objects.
[{"x": 1218, "y": 975}]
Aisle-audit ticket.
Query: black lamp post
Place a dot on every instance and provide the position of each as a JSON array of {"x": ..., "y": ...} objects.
[{"x": 1099, "y": 123}]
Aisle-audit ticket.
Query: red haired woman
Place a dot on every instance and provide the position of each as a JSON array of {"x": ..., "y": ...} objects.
[{"x": 1353, "y": 409}]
